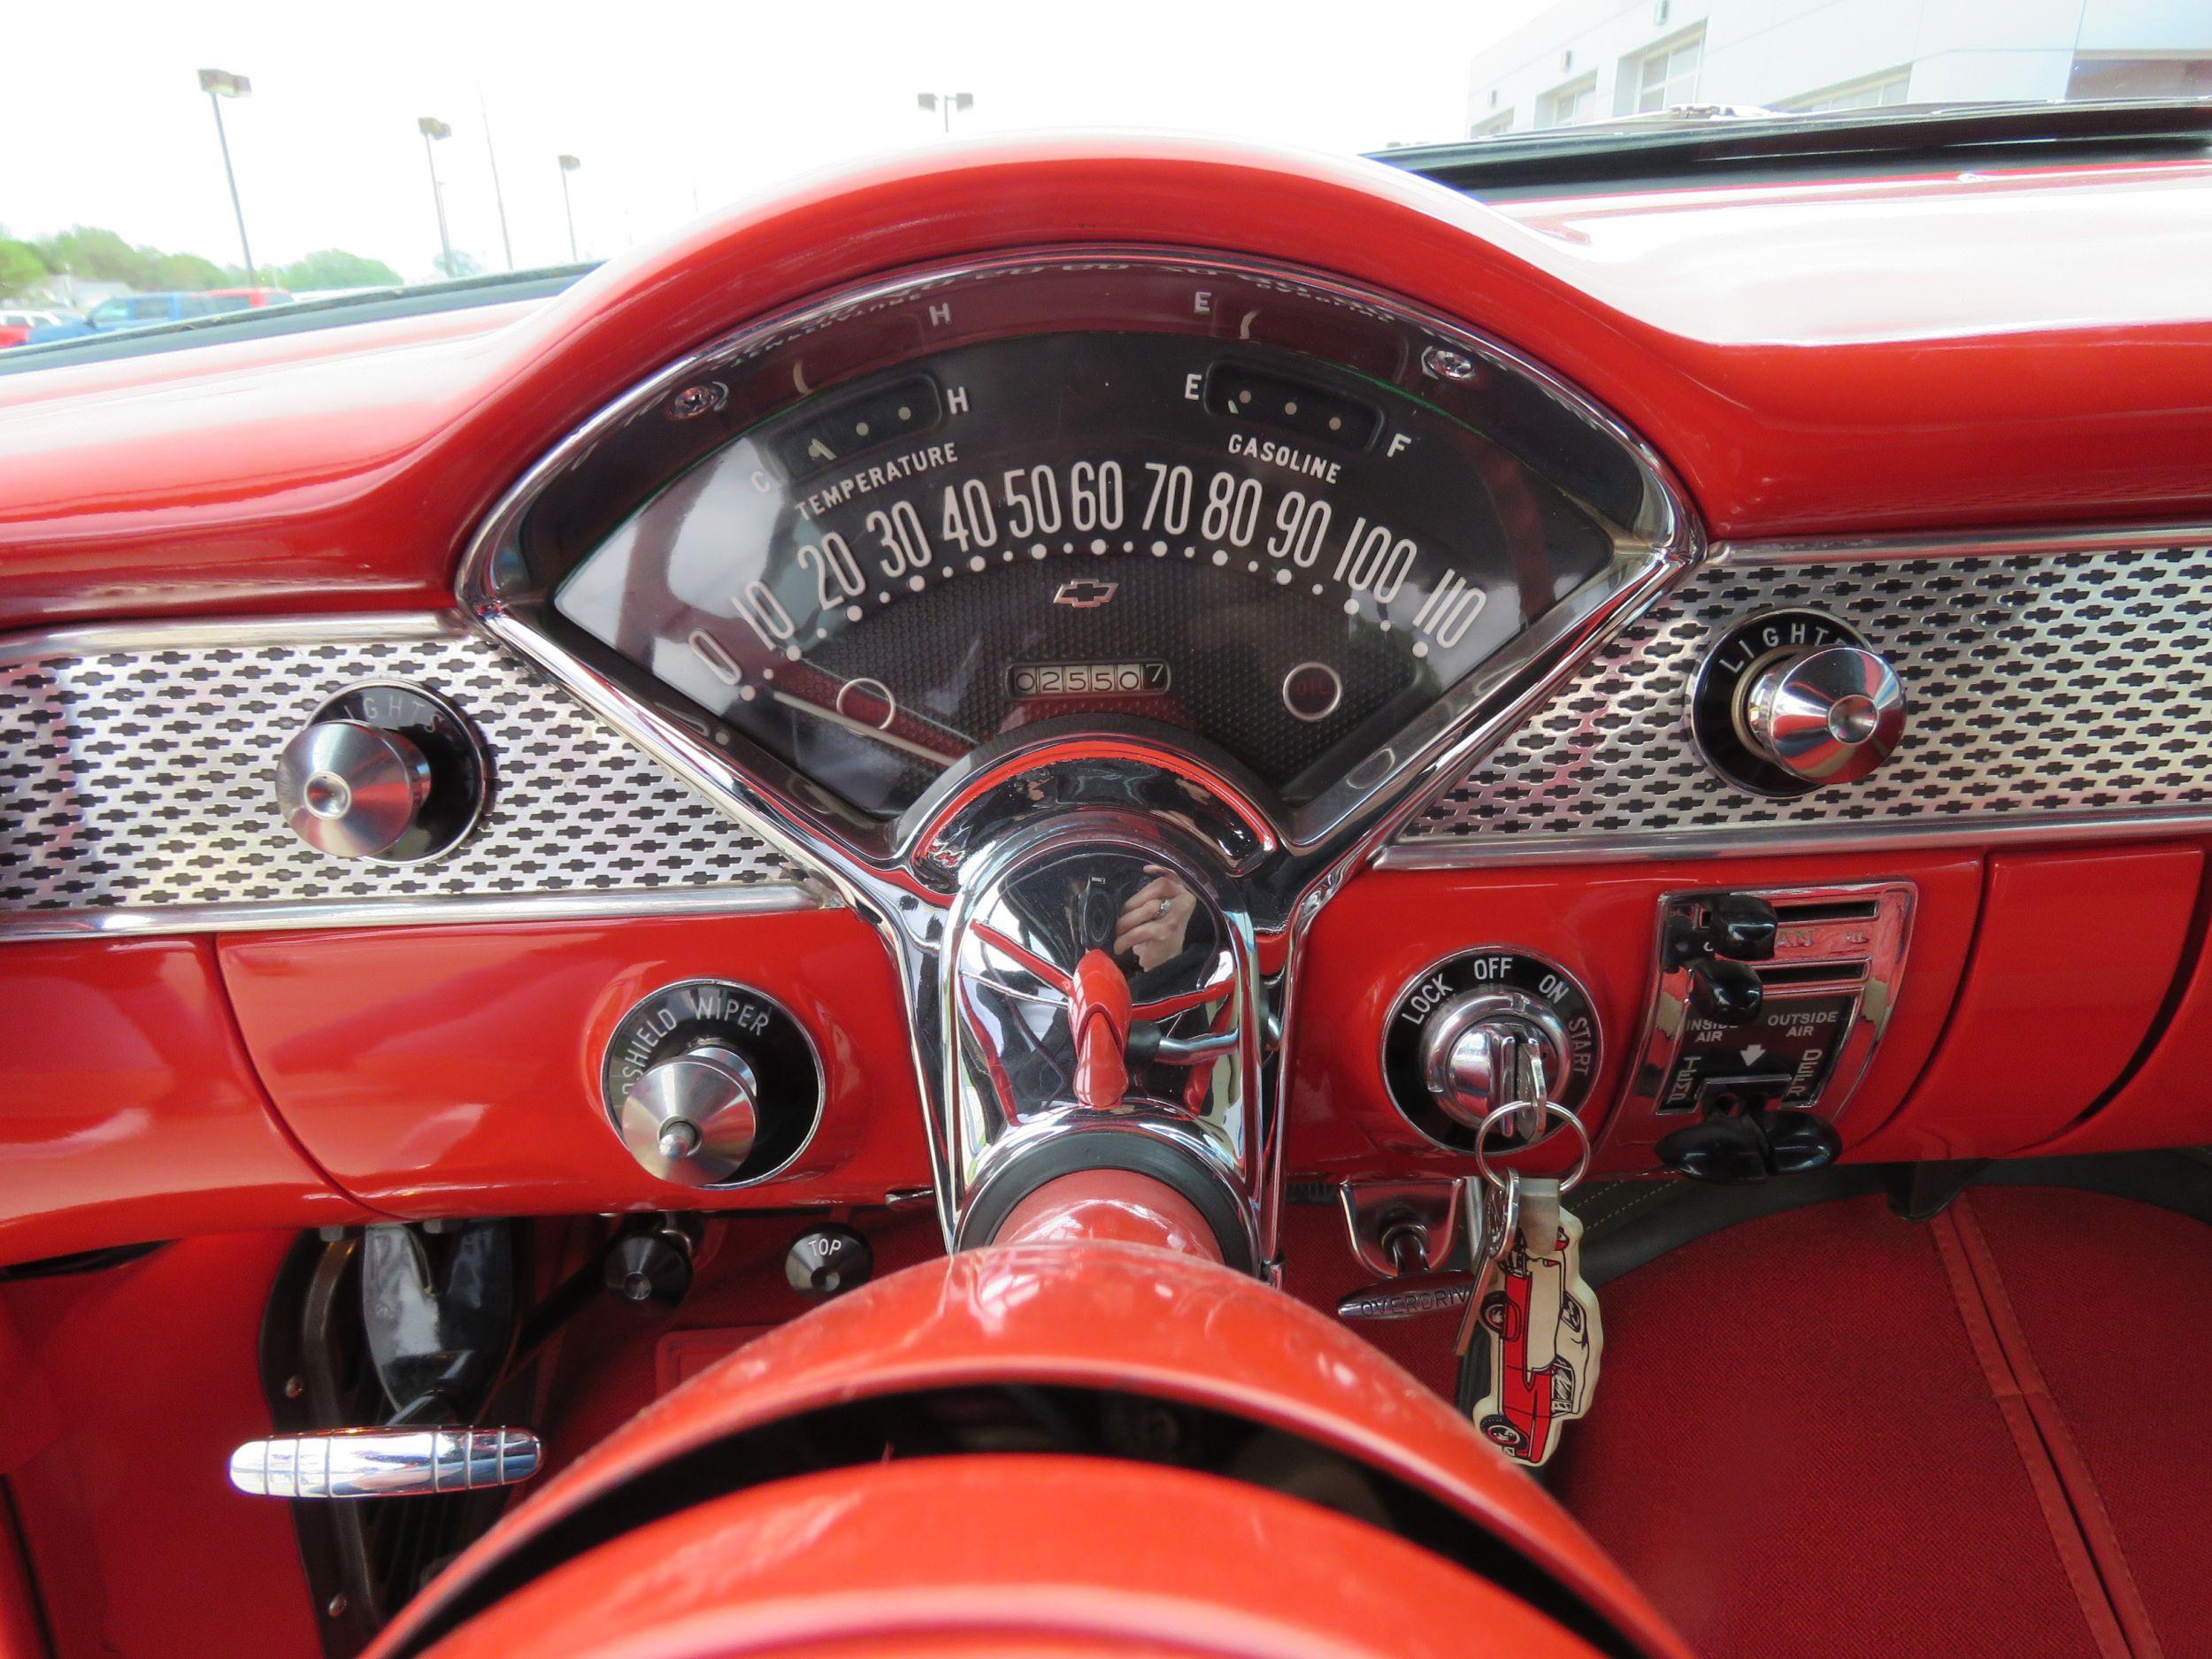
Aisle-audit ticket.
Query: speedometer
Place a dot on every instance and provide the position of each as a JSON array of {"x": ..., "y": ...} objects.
[{"x": 1261, "y": 516}]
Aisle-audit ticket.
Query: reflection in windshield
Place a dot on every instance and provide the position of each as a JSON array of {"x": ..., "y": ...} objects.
[{"x": 201, "y": 163}]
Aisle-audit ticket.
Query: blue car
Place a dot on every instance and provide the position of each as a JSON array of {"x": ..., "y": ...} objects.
[{"x": 135, "y": 311}]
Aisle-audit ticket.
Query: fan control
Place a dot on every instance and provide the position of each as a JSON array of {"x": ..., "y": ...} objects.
[{"x": 1772, "y": 999}]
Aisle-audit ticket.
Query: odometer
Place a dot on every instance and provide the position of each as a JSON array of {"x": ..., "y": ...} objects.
[
  {"x": 1085, "y": 680},
  {"x": 1240, "y": 516}
]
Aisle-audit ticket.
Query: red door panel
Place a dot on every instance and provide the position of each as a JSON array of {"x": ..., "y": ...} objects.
[
  {"x": 2075, "y": 952},
  {"x": 122, "y": 1393}
]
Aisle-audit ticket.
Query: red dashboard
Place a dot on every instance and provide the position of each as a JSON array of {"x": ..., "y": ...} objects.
[
  {"x": 1917, "y": 411},
  {"x": 342, "y": 474}
]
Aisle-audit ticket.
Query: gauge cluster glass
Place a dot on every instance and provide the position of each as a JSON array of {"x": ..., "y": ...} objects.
[{"x": 1237, "y": 511}]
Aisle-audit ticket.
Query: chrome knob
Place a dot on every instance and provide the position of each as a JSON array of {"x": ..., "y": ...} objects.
[
  {"x": 691, "y": 1119},
  {"x": 351, "y": 789},
  {"x": 1486, "y": 1049},
  {"x": 1826, "y": 715}
]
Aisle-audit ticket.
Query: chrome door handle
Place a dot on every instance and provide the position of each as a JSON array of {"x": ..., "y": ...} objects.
[{"x": 384, "y": 1463}]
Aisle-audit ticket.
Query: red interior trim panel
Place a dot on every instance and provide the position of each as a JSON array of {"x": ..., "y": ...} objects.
[{"x": 134, "y": 1112}]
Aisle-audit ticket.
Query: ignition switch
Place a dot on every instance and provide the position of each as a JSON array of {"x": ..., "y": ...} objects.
[{"x": 1453, "y": 1028}]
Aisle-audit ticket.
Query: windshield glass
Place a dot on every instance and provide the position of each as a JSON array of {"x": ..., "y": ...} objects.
[{"x": 186, "y": 162}]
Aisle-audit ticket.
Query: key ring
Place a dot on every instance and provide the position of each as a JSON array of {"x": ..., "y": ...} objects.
[{"x": 1552, "y": 1108}]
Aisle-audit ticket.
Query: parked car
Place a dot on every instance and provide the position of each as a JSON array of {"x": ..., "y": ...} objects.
[
  {"x": 249, "y": 299},
  {"x": 16, "y": 326},
  {"x": 141, "y": 311}
]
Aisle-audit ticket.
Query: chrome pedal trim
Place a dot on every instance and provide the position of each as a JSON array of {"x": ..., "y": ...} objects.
[{"x": 384, "y": 1463}]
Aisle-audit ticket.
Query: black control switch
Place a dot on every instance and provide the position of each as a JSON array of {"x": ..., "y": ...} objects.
[
  {"x": 1742, "y": 927},
  {"x": 1726, "y": 1151},
  {"x": 1726, "y": 992},
  {"x": 1800, "y": 1142},
  {"x": 826, "y": 1260},
  {"x": 1735, "y": 1148}
]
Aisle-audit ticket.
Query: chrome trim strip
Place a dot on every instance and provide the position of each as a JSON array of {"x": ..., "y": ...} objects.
[
  {"x": 1768, "y": 840},
  {"x": 1520, "y": 680},
  {"x": 160, "y": 921},
  {"x": 1960, "y": 544},
  {"x": 98, "y": 638}
]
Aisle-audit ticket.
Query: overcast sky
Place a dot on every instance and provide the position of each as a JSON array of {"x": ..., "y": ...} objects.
[{"x": 673, "y": 105}]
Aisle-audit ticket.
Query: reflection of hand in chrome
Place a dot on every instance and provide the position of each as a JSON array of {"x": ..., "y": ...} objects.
[{"x": 1155, "y": 918}]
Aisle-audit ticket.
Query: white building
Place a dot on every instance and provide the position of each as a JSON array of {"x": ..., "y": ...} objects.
[{"x": 1584, "y": 60}]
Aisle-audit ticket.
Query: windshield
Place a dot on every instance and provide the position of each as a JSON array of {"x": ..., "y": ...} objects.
[{"x": 182, "y": 162}]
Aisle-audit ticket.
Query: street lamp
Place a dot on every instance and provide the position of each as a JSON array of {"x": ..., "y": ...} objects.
[
  {"x": 506, "y": 244},
  {"x": 569, "y": 164},
  {"x": 947, "y": 101},
  {"x": 219, "y": 84},
  {"x": 431, "y": 128}
]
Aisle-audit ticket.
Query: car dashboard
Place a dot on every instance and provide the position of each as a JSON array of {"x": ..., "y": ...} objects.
[{"x": 721, "y": 741}]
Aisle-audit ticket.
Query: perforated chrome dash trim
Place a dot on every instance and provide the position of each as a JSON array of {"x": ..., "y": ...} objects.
[
  {"x": 2052, "y": 687},
  {"x": 134, "y": 777}
]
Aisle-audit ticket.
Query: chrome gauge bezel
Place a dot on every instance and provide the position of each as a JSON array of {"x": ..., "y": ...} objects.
[{"x": 499, "y": 590}]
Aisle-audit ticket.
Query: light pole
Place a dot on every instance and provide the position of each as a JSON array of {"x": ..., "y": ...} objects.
[
  {"x": 219, "y": 84},
  {"x": 506, "y": 245},
  {"x": 431, "y": 128},
  {"x": 569, "y": 164},
  {"x": 947, "y": 102}
]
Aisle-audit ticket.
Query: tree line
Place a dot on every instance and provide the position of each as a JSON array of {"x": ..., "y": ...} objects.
[{"x": 101, "y": 256}]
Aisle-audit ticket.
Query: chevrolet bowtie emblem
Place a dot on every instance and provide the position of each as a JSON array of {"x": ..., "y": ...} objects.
[{"x": 1085, "y": 593}]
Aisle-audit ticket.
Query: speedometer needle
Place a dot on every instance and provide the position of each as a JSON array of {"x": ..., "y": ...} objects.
[{"x": 860, "y": 728}]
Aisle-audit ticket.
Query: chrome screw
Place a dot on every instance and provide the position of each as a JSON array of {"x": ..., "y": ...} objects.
[
  {"x": 1443, "y": 364},
  {"x": 702, "y": 399}
]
